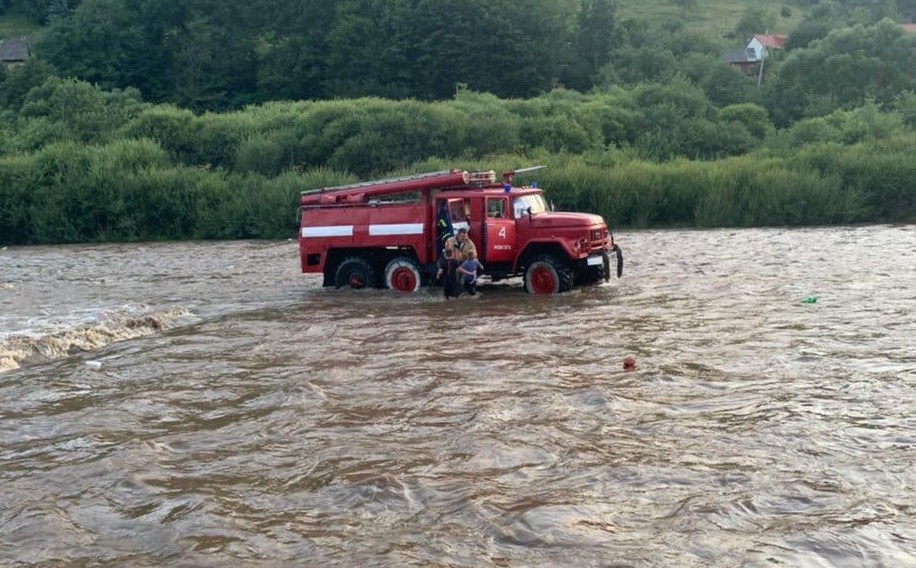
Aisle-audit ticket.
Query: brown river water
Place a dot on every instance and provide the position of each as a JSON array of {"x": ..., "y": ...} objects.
[{"x": 204, "y": 404}]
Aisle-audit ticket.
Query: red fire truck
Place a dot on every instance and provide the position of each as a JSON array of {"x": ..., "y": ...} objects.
[{"x": 388, "y": 233}]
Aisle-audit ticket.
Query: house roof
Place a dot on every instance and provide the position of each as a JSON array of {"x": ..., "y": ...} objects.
[
  {"x": 13, "y": 50},
  {"x": 910, "y": 28},
  {"x": 733, "y": 56},
  {"x": 771, "y": 41}
]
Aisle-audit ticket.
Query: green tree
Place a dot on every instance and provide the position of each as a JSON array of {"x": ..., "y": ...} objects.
[
  {"x": 22, "y": 79},
  {"x": 58, "y": 9},
  {"x": 753, "y": 117},
  {"x": 723, "y": 84},
  {"x": 34, "y": 10},
  {"x": 846, "y": 68},
  {"x": 816, "y": 25},
  {"x": 872, "y": 11},
  {"x": 370, "y": 49},
  {"x": 905, "y": 105},
  {"x": 449, "y": 56},
  {"x": 595, "y": 41},
  {"x": 112, "y": 43},
  {"x": 658, "y": 55},
  {"x": 397, "y": 49},
  {"x": 534, "y": 44},
  {"x": 292, "y": 50},
  {"x": 633, "y": 65},
  {"x": 213, "y": 68},
  {"x": 754, "y": 20},
  {"x": 292, "y": 68},
  {"x": 84, "y": 112},
  {"x": 907, "y": 10}
]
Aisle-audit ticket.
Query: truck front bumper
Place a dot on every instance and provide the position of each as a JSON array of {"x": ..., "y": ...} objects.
[{"x": 603, "y": 260}]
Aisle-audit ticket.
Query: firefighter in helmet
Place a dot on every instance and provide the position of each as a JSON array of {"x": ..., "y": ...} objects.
[{"x": 444, "y": 227}]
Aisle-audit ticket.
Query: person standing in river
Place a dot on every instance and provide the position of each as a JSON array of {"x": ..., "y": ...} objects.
[
  {"x": 448, "y": 272},
  {"x": 465, "y": 244},
  {"x": 468, "y": 272}
]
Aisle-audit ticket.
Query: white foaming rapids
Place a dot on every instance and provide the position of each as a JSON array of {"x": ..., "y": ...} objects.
[{"x": 35, "y": 346}]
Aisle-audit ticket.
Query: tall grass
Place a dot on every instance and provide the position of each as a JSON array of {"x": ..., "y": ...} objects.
[
  {"x": 713, "y": 17},
  {"x": 735, "y": 192}
]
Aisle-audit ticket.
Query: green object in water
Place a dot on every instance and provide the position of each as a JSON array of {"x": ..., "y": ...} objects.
[{"x": 810, "y": 300}]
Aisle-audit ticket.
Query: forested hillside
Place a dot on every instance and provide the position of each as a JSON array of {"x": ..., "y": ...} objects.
[
  {"x": 141, "y": 119},
  {"x": 217, "y": 55}
]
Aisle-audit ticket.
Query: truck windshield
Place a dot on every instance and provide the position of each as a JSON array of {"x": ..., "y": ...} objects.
[{"x": 521, "y": 204}]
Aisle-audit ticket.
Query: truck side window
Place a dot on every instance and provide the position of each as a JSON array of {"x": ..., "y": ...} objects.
[
  {"x": 496, "y": 208},
  {"x": 457, "y": 209}
]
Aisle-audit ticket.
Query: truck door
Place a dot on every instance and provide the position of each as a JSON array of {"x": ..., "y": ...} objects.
[
  {"x": 459, "y": 211},
  {"x": 499, "y": 231},
  {"x": 455, "y": 213}
]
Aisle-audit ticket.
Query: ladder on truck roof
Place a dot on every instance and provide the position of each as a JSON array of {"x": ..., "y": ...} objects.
[
  {"x": 386, "y": 181},
  {"x": 449, "y": 176}
]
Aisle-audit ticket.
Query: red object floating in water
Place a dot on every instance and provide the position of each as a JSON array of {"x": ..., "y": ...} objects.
[{"x": 629, "y": 364}]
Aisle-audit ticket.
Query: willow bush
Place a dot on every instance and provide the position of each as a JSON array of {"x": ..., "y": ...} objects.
[
  {"x": 370, "y": 136},
  {"x": 84, "y": 112},
  {"x": 209, "y": 140}
]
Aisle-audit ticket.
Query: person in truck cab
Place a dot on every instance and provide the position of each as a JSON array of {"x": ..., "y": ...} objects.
[{"x": 465, "y": 244}]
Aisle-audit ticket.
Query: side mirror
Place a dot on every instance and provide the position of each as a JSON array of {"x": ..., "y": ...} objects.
[{"x": 529, "y": 211}]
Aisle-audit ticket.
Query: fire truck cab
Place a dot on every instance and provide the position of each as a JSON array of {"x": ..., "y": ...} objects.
[{"x": 389, "y": 233}]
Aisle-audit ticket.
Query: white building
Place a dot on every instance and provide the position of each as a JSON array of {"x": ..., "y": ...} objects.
[{"x": 759, "y": 44}]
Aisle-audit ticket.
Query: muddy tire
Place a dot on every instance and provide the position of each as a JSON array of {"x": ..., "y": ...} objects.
[
  {"x": 354, "y": 272},
  {"x": 546, "y": 276},
  {"x": 403, "y": 274}
]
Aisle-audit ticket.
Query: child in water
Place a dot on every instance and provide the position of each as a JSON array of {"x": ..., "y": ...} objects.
[
  {"x": 448, "y": 272},
  {"x": 468, "y": 269}
]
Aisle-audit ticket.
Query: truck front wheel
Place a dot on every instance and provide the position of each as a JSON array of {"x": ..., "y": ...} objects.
[
  {"x": 403, "y": 275},
  {"x": 354, "y": 272},
  {"x": 547, "y": 276}
]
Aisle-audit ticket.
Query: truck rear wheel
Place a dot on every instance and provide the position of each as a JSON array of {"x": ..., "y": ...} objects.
[
  {"x": 547, "y": 276},
  {"x": 402, "y": 274},
  {"x": 354, "y": 272}
]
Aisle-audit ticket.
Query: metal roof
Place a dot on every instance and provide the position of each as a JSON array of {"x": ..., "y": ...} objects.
[{"x": 13, "y": 50}]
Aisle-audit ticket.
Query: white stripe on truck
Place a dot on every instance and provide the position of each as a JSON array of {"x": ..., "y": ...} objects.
[
  {"x": 335, "y": 231},
  {"x": 396, "y": 229}
]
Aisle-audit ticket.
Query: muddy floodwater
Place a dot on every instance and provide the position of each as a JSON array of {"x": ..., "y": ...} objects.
[{"x": 204, "y": 404}]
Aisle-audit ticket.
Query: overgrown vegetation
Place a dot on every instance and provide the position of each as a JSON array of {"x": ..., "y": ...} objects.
[{"x": 650, "y": 130}]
